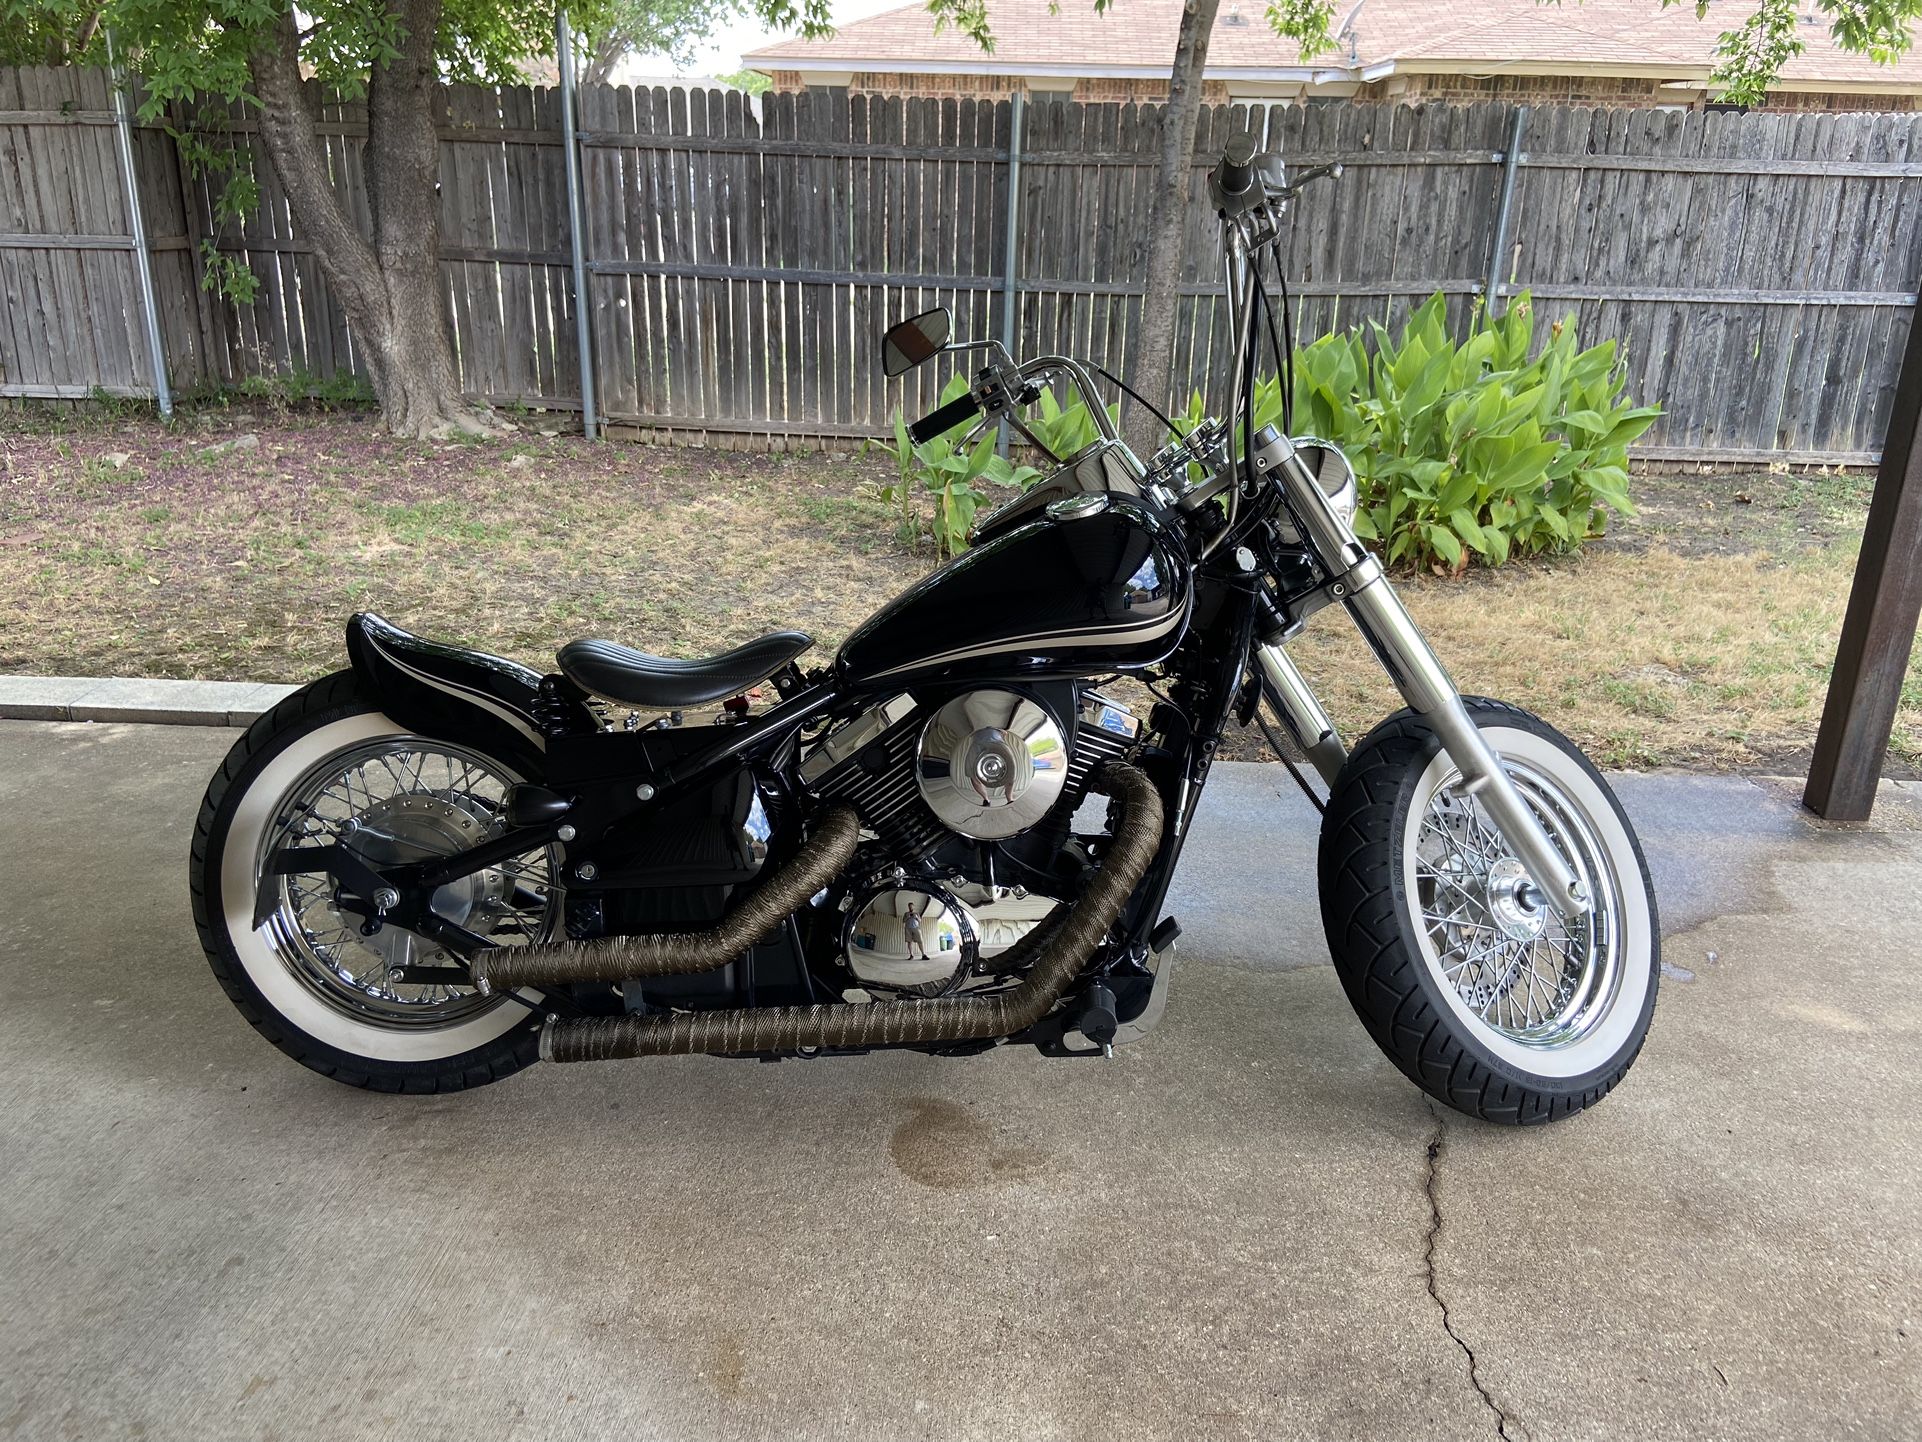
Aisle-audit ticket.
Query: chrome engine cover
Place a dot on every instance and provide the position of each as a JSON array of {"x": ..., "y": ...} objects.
[
  {"x": 991, "y": 763},
  {"x": 869, "y": 762},
  {"x": 888, "y": 924}
]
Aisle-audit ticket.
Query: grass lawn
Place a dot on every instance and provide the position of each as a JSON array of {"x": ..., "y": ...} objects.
[{"x": 1699, "y": 635}]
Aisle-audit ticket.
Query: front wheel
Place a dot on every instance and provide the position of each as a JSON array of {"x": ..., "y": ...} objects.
[{"x": 1461, "y": 972}]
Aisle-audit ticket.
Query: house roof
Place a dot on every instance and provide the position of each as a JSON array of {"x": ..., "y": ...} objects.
[{"x": 1482, "y": 37}]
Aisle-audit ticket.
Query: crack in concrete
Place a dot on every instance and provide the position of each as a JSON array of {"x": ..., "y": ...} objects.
[{"x": 1437, "y": 1145}]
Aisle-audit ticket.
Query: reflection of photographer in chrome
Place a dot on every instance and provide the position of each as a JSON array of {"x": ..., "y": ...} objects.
[
  {"x": 911, "y": 924},
  {"x": 991, "y": 766}
]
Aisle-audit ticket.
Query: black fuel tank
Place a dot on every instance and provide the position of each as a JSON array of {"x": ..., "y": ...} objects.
[{"x": 1096, "y": 584}]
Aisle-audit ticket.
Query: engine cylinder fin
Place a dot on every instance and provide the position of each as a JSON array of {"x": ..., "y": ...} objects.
[{"x": 878, "y": 781}]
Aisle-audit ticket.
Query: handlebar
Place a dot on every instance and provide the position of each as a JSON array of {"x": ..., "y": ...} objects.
[
  {"x": 1243, "y": 181},
  {"x": 943, "y": 419}
]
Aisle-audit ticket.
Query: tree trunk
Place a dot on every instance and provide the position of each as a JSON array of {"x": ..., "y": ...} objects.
[
  {"x": 388, "y": 288},
  {"x": 607, "y": 52},
  {"x": 1154, "y": 348}
]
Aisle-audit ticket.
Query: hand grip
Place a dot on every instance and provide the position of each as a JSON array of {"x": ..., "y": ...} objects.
[
  {"x": 1236, "y": 172},
  {"x": 945, "y": 418}
]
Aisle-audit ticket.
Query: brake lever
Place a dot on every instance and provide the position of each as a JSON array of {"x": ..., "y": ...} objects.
[
  {"x": 974, "y": 431},
  {"x": 1331, "y": 171}
]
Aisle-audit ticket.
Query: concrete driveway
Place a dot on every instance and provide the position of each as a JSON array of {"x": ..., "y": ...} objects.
[{"x": 1249, "y": 1226}]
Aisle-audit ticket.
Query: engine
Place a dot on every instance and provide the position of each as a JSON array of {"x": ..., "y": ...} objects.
[{"x": 945, "y": 789}]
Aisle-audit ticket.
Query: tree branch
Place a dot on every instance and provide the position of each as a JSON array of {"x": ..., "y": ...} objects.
[
  {"x": 89, "y": 28},
  {"x": 288, "y": 113}
]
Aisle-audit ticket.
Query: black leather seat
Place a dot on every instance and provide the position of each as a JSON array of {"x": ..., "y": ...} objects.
[{"x": 660, "y": 683}]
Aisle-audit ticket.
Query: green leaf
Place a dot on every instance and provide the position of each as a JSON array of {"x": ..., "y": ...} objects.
[
  {"x": 1459, "y": 491},
  {"x": 1464, "y": 525},
  {"x": 1631, "y": 424},
  {"x": 1444, "y": 543},
  {"x": 1525, "y": 468}
]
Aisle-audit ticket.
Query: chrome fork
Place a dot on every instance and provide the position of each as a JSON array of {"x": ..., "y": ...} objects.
[{"x": 1357, "y": 580}]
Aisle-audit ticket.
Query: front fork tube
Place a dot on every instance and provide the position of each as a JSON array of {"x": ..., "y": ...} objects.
[
  {"x": 1300, "y": 711},
  {"x": 1418, "y": 673}
]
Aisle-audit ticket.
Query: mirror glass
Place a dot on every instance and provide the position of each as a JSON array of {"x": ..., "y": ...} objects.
[{"x": 918, "y": 338}]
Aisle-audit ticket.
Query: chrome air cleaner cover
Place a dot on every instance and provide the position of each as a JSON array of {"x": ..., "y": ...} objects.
[{"x": 991, "y": 763}]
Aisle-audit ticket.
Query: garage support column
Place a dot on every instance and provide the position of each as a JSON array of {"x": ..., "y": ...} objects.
[{"x": 1879, "y": 630}]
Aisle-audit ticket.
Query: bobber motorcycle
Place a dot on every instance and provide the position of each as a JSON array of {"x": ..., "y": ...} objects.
[{"x": 435, "y": 866}]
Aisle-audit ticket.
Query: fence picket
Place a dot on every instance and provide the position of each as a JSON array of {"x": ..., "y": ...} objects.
[{"x": 1757, "y": 270}]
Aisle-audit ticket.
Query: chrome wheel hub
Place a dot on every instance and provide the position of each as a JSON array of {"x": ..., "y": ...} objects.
[
  {"x": 1527, "y": 974},
  {"x": 417, "y": 826},
  {"x": 1513, "y": 901}
]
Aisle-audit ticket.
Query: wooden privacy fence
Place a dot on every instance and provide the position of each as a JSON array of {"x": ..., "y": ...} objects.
[
  {"x": 741, "y": 258},
  {"x": 72, "y": 321}
]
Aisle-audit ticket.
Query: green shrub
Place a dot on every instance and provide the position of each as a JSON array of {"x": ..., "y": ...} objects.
[
  {"x": 1474, "y": 449},
  {"x": 948, "y": 477},
  {"x": 1468, "y": 450},
  {"x": 1067, "y": 429},
  {"x": 951, "y": 479}
]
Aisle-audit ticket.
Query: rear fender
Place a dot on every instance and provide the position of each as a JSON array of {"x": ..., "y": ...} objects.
[{"x": 449, "y": 692}]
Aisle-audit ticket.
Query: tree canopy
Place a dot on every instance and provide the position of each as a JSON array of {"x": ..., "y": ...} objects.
[{"x": 185, "y": 49}]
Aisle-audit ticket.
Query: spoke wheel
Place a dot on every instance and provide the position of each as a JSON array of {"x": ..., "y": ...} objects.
[
  {"x": 326, "y": 766},
  {"x": 397, "y": 800},
  {"x": 1526, "y": 973},
  {"x": 1463, "y": 974}
]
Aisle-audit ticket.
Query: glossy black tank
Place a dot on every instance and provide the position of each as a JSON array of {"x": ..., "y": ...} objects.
[{"x": 1082, "y": 590}]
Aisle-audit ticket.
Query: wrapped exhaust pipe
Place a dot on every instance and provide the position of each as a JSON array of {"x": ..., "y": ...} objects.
[
  {"x": 1060, "y": 948},
  {"x": 615, "y": 958}
]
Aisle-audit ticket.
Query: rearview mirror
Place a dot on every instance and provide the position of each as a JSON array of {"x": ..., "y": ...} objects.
[{"x": 918, "y": 338}]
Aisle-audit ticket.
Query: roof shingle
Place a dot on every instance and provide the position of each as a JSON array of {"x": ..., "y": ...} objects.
[{"x": 1624, "y": 36}]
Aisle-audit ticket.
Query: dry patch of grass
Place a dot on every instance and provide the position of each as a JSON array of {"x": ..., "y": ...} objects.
[
  {"x": 1701, "y": 639},
  {"x": 1647, "y": 657}
]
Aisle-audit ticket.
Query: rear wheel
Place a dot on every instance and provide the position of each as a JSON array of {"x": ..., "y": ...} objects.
[
  {"x": 325, "y": 766},
  {"x": 1468, "y": 981}
]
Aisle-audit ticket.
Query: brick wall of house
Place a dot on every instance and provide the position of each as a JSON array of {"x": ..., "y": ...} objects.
[
  {"x": 1542, "y": 89},
  {"x": 1090, "y": 90},
  {"x": 1462, "y": 89},
  {"x": 1808, "y": 100},
  {"x": 1621, "y": 91}
]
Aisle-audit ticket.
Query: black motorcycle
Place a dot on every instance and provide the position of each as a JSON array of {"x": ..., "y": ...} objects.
[{"x": 430, "y": 869}]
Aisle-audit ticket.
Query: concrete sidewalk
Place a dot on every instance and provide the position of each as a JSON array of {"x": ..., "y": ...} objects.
[{"x": 1248, "y": 1226}]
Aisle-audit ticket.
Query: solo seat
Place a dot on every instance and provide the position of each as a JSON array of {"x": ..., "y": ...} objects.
[{"x": 661, "y": 683}]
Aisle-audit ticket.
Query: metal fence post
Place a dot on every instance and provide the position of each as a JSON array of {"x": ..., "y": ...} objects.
[
  {"x": 137, "y": 223},
  {"x": 576, "y": 223},
  {"x": 1504, "y": 216},
  {"x": 1010, "y": 269}
]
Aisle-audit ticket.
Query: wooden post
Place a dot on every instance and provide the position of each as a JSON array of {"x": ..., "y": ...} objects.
[{"x": 1879, "y": 630}]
